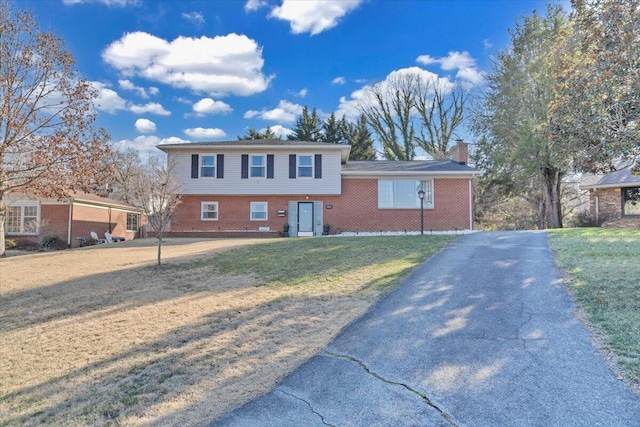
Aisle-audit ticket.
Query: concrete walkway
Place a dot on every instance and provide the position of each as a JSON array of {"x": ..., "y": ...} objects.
[{"x": 481, "y": 335}]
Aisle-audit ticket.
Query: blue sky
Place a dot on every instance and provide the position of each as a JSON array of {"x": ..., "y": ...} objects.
[{"x": 187, "y": 71}]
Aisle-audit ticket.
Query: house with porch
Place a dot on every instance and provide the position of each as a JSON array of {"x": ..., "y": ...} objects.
[
  {"x": 235, "y": 187},
  {"x": 29, "y": 219},
  {"x": 614, "y": 198}
]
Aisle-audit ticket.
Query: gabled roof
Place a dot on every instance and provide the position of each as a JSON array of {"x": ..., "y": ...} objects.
[
  {"x": 253, "y": 144},
  {"x": 412, "y": 167},
  {"x": 622, "y": 177}
]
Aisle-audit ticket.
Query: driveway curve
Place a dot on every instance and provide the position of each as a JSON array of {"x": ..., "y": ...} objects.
[{"x": 482, "y": 334}]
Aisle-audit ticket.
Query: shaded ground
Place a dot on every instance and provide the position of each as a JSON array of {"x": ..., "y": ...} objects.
[{"x": 99, "y": 334}]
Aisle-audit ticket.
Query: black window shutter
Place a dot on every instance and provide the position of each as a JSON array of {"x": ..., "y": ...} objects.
[
  {"x": 269, "y": 166},
  {"x": 194, "y": 165},
  {"x": 318, "y": 166},
  {"x": 292, "y": 166},
  {"x": 220, "y": 166},
  {"x": 245, "y": 166}
]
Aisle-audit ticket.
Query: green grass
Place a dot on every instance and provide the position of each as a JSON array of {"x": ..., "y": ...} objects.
[{"x": 604, "y": 270}]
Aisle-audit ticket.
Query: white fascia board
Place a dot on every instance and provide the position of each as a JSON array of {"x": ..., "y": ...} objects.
[{"x": 386, "y": 174}]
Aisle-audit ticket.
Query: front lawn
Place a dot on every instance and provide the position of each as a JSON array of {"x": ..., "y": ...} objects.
[
  {"x": 603, "y": 266},
  {"x": 101, "y": 336}
]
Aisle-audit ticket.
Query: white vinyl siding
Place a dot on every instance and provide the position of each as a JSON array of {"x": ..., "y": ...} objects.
[
  {"x": 259, "y": 211},
  {"x": 209, "y": 211},
  {"x": 233, "y": 184},
  {"x": 403, "y": 193}
]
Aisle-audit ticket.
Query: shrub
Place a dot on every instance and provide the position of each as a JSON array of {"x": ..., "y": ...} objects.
[
  {"x": 10, "y": 243},
  {"x": 53, "y": 242},
  {"x": 90, "y": 242}
]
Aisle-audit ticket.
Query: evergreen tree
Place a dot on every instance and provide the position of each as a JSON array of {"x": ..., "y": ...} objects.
[
  {"x": 307, "y": 127},
  {"x": 360, "y": 139},
  {"x": 256, "y": 134}
]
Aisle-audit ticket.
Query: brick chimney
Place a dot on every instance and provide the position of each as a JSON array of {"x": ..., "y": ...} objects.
[{"x": 460, "y": 152}]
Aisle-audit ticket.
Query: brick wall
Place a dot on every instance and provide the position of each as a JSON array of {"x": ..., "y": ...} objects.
[
  {"x": 609, "y": 202},
  {"x": 99, "y": 219},
  {"x": 355, "y": 210}
]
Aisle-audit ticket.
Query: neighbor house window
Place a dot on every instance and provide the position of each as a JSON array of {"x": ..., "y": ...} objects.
[
  {"x": 207, "y": 166},
  {"x": 132, "y": 222},
  {"x": 209, "y": 211},
  {"x": 305, "y": 166},
  {"x": 258, "y": 166},
  {"x": 403, "y": 194},
  {"x": 631, "y": 201},
  {"x": 258, "y": 211},
  {"x": 22, "y": 219}
]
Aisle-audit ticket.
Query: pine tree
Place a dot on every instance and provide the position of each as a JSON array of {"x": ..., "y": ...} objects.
[
  {"x": 307, "y": 127},
  {"x": 360, "y": 140},
  {"x": 253, "y": 133}
]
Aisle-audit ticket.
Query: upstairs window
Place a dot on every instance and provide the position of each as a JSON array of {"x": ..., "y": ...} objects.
[
  {"x": 207, "y": 166},
  {"x": 305, "y": 166},
  {"x": 258, "y": 166}
]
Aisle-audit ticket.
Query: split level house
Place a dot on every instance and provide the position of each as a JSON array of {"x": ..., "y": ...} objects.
[
  {"x": 614, "y": 198},
  {"x": 29, "y": 219},
  {"x": 265, "y": 185}
]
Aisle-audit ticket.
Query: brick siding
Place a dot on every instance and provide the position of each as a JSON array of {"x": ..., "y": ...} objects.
[{"x": 355, "y": 210}]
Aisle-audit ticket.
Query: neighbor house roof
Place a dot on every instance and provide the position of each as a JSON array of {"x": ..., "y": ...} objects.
[
  {"x": 623, "y": 176},
  {"x": 259, "y": 144},
  {"x": 411, "y": 167}
]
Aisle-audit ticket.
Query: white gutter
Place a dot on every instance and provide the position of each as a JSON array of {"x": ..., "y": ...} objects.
[{"x": 441, "y": 174}]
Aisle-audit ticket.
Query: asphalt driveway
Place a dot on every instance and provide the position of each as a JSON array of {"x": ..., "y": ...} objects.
[{"x": 481, "y": 335}]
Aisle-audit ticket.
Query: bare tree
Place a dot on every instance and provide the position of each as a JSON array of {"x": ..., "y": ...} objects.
[
  {"x": 389, "y": 109},
  {"x": 48, "y": 143},
  {"x": 126, "y": 166},
  {"x": 441, "y": 112},
  {"x": 155, "y": 190}
]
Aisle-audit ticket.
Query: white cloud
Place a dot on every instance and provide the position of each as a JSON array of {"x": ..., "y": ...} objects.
[
  {"x": 145, "y": 126},
  {"x": 219, "y": 66},
  {"x": 151, "y": 107},
  {"x": 468, "y": 71},
  {"x": 286, "y": 112},
  {"x": 108, "y": 100},
  {"x": 303, "y": 92},
  {"x": 338, "y": 81},
  {"x": 142, "y": 92},
  {"x": 204, "y": 133},
  {"x": 280, "y": 131},
  {"x": 173, "y": 140},
  {"x": 253, "y": 5},
  {"x": 195, "y": 18},
  {"x": 487, "y": 44},
  {"x": 313, "y": 17},
  {"x": 209, "y": 106},
  {"x": 146, "y": 144}
]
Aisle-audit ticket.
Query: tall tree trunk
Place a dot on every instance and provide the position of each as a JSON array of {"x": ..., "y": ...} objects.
[
  {"x": 3, "y": 214},
  {"x": 551, "y": 182},
  {"x": 542, "y": 212},
  {"x": 159, "y": 247}
]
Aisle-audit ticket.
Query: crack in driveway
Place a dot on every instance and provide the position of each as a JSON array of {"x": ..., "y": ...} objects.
[
  {"x": 422, "y": 396},
  {"x": 309, "y": 405}
]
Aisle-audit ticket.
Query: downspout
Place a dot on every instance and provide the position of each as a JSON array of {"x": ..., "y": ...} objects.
[
  {"x": 70, "y": 222},
  {"x": 597, "y": 207},
  {"x": 470, "y": 204}
]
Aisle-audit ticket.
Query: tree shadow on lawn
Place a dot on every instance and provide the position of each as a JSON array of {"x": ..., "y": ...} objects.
[{"x": 217, "y": 356}]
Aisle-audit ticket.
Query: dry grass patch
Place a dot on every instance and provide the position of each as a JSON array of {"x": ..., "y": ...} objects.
[{"x": 102, "y": 336}]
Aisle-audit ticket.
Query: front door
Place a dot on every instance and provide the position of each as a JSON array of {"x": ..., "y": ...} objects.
[{"x": 305, "y": 219}]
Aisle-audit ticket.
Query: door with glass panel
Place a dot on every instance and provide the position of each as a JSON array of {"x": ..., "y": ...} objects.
[{"x": 305, "y": 219}]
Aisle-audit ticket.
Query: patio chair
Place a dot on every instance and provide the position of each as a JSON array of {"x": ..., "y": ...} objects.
[
  {"x": 110, "y": 239},
  {"x": 95, "y": 237}
]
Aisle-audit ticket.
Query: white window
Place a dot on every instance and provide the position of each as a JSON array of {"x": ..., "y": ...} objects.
[
  {"x": 403, "y": 194},
  {"x": 209, "y": 211},
  {"x": 258, "y": 166},
  {"x": 305, "y": 166},
  {"x": 259, "y": 211},
  {"x": 207, "y": 166},
  {"x": 132, "y": 222},
  {"x": 22, "y": 219}
]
